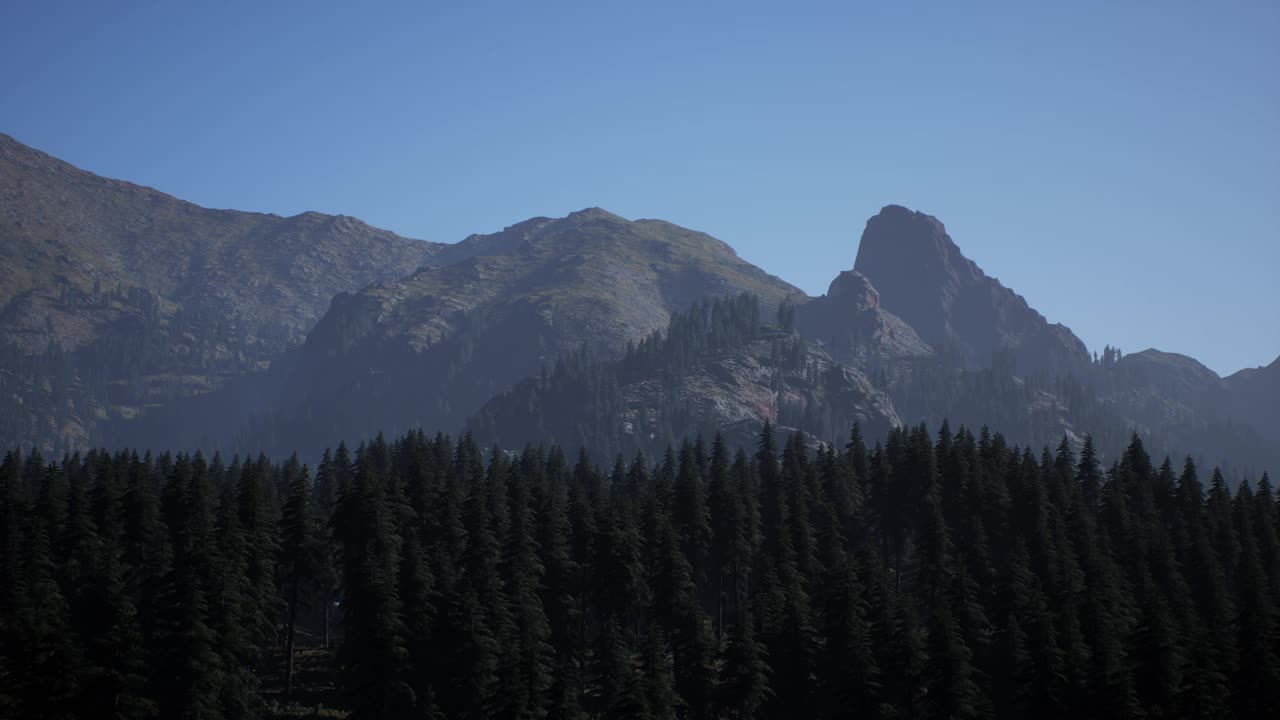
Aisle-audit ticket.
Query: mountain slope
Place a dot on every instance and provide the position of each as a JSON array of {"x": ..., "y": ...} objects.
[
  {"x": 924, "y": 279},
  {"x": 430, "y": 348},
  {"x": 150, "y": 297},
  {"x": 590, "y": 278},
  {"x": 1254, "y": 398},
  {"x": 844, "y": 356},
  {"x": 129, "y": 317}
]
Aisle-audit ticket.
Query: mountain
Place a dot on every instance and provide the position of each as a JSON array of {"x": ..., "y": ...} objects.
[
  {"x": 132, "y": 318},
  {"x": 827, "y": 362},
  {"x": 430, "y": 348},
  {"x": 1254, "y": 398},
  {"x": 923, "y": 278},
  {"x": 131, "y": 297},
  {"x": 1179, "y": 379},
  {"x": 591, "y": 278}
]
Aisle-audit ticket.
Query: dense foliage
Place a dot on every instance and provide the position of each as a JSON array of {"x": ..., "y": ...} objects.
[{"x": 930, "y": 576}]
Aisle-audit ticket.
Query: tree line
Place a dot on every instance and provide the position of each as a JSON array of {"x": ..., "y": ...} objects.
[{"x": 929, "y": 575}]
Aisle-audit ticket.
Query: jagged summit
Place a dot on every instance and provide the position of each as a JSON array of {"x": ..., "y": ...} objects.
[{"x": 924, "y": 278}]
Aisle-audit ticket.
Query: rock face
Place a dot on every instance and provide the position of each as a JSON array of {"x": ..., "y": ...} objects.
[
  {"x": 923, "y": 278},
  {"x": 855, "y": 328}
]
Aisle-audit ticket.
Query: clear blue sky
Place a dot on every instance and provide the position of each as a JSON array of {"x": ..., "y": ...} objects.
[{"x": 1116, "y": 163}]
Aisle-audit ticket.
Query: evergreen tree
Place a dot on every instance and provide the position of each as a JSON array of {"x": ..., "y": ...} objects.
[{"x": 302, "y": 562}]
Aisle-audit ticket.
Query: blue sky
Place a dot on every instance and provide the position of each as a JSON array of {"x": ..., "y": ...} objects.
[{"x": 1118, "y": 164}]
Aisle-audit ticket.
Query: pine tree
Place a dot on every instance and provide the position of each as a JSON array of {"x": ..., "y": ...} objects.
[
  {"x": 259, "y": 521},
  {"x": 302, "y": 562},
  {"x": 744, "y": 690},
  {"x": 374, "y": 656},
  {"x": 1256, "y": 685},
  {"x": 190, "y": 677}
]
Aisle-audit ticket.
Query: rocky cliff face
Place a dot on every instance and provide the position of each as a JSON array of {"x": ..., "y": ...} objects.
[
  {"x": 923, "y": 278},
  {"x": 855, "y": 328}
]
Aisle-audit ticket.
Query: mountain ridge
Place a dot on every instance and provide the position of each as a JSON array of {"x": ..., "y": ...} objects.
[
  {"x": 139, "y": 297},
  {"x": 320, "y": 327}
]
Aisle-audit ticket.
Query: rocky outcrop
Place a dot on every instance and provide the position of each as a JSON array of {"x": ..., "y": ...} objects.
[
  {"x": 850, "y": 321},
  {"x": 923, "y": 278}
]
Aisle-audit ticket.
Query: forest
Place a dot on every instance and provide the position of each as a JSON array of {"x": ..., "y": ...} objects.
[{"x": 929, "y": 575}]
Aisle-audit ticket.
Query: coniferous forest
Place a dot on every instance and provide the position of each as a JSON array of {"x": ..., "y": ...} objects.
[{"x": 930, "y": 574}]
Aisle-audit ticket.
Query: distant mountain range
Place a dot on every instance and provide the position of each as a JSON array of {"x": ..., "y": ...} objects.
[{"x": 129, "y": 317}]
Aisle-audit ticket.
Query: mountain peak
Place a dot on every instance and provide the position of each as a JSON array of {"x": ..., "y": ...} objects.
[
  {"x": 594, "y": 213},
  {"x": 925, "y": 279},
  {"x": 898, "y": 234}
]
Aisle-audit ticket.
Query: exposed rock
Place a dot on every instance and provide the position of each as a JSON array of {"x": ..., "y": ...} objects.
[
  {"x": 854, "y": 327},
  {"x": 923, "y": 278}
]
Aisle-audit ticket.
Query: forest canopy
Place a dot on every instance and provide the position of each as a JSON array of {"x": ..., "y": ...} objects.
[{"x": 940, "y": 574}]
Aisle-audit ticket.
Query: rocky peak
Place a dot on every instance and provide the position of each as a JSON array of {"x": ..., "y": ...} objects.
[
  {"x": 853, "y": 325},
  {"x": 925, "y": 279},
  {"x": 852, "y": 289}
]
